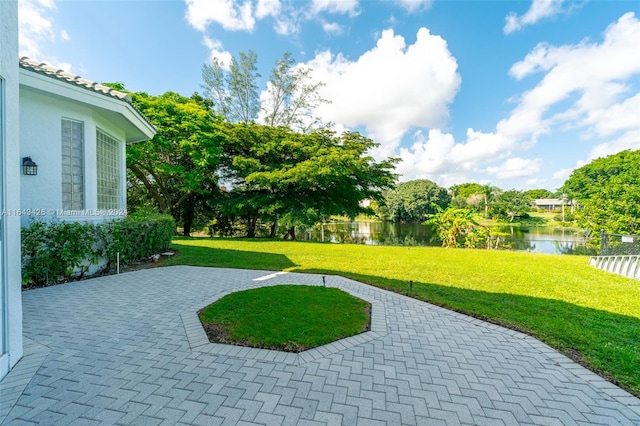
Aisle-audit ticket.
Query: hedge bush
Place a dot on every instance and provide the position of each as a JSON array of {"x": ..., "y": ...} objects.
[{"x": 59, "y": 251}]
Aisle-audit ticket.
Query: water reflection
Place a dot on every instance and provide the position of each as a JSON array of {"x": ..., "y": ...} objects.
[
  {"x": 546, "y": 240},
  {"x": 538, "y": 240}
]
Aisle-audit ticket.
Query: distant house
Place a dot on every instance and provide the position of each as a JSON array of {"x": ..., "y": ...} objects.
[
  {"x": 553, "y": 203},
  {"x": 75, "y": 131},
  {"x": 10, "y": 281}
]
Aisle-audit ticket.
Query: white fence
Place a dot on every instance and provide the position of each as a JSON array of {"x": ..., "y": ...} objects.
[{"x": 627, "y": 266}]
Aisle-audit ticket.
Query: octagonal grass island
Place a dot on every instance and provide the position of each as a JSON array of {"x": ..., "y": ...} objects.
[{"x": 289, "y": 318}]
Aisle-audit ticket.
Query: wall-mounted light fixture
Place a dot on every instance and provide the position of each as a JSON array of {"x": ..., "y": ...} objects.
[{"x": 29, "y": 167}]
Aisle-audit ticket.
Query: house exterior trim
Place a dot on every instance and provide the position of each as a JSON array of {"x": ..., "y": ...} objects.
[{"x": 115, "y": 106}]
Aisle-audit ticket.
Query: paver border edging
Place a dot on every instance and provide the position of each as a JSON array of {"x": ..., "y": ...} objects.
[{"x": 199, "y": 341}]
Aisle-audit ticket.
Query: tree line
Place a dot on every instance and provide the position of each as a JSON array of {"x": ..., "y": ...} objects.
[
  {"x": 605, "y": 192},
  {"x": 418, "y": 200}
]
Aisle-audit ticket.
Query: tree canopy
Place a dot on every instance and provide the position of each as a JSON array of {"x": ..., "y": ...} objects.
[
  {"x": 234, "y": 93},
  {"x": 467, "y": 195},
  {"x": 466, "y": 190},
  {"x": 289, "y": 98},
  {"x": 511, "y": 204},
  {"x": 414, "y": 201},
  {"x": 608, "y": 193},
  {"x": 176, "y": 171},
  {"x": 535, "y": 194},
  {"x": 281, "y": 176}
]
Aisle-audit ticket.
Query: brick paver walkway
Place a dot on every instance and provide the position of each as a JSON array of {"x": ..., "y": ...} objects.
[{"x": 126, "y": 349}]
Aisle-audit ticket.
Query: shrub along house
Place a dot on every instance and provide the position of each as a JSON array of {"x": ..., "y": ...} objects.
[
  {"x": 63, "y": 158},
  {"x": 73, "y": 134}
]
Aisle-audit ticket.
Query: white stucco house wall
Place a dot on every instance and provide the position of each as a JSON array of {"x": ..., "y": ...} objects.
[
  {"x": 10, "y": 278},
  {"x": 75, "y": 130}
]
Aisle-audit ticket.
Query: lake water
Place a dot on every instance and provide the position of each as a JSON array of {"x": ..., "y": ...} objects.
[{"x": 534, "y": 239}]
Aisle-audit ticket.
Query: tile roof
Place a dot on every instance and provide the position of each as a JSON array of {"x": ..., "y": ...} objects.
[
  {"x": 49, "y": 71},
  {"x": 42, "y": 68}
]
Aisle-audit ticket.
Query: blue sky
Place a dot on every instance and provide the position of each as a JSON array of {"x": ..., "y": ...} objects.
[{"x": 511, "y": 93}]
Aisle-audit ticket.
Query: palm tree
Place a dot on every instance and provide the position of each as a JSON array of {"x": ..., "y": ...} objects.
[{"x": 488, "y": 191}]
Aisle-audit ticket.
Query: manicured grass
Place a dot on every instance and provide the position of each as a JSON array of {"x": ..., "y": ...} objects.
[
  {"x": 587, "y": 314},
  {"x": 292, "y": 318}
]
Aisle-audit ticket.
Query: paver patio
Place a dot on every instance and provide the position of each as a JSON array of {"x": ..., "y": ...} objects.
[{"x": 126, "y": 349}]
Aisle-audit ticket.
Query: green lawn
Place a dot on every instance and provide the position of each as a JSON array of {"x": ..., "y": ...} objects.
[
  {"x": 590, "y": 315},
  {"x": 292, "y": 318}
]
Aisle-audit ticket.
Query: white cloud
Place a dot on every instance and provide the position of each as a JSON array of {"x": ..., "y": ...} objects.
[
  {"x": 390, "y": 88},
  {"x": 480, "y": 146},
  {"x": 216, "y": 52},
  {"x": 539, "y": 9},
  {"x": 629, "y": 140},
  {"x": 331, "y": 27},
  {"x": 535, "y": 183},
  {"x": 439, "y": 158},
  {"x": 349, "y": 7},
  {"x": 231, "y": 15},
  {"x": 37, "y": 28},
  {"x": 266, "y": 8},
  {"x": 588, "y": 88},
  {"x": 516, "y": 167},
  {"x": 430, "y": 158},
  {"x": 613, "y": 118},
  {"x": 235, "y": 15},
  {"x": 34, "y": 22},
  {"x": 563, "y": 174},
  {"x": 427, "y": 157},
  {"x": 415, "y": 5},
  {"x": 596, "y": 75}
]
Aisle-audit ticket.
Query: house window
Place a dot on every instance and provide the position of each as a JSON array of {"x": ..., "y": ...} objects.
[
  {"x": 72, "y": 165},
  {"x": 108, "y": 162}
]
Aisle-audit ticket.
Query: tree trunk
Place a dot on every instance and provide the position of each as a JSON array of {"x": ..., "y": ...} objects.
[
  {"x": 251, "y": 226},
  {"x": 274, "y": 228},
  {"x": 188, "y": 213},
  {"x": 486, "y": 206},
  {"x": 251, "y": 230},
  {"x": 291, "y": 233}
]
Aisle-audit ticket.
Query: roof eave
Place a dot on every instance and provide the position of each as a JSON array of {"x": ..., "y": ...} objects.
[{"x": 139, "y": 128}]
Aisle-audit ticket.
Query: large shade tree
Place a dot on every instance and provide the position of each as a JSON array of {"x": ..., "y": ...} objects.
[
  {"x": 608, "y": 193},
  {"x": 176, "y": 171},
  {"x": 277, "y": 175}
]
